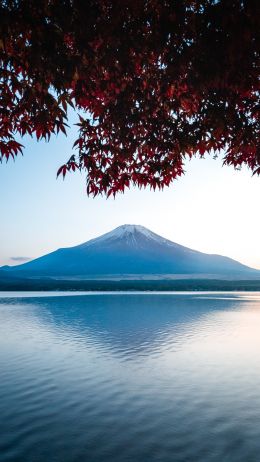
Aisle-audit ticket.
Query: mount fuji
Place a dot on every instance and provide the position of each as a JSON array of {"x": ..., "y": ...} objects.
[{"x": 130, "y": 251}]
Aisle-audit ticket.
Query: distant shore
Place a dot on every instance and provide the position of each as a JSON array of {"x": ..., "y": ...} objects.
[{"x": 129, "y": 285}]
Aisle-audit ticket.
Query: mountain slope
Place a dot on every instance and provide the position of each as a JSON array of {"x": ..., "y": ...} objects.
[{"x": 130, "y": 250}]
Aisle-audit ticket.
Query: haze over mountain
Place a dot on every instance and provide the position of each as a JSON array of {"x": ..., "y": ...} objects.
[{"x": 130, "y": 251}]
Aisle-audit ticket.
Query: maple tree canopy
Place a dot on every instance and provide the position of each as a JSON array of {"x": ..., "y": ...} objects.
[{"x": 154, "y": 81}]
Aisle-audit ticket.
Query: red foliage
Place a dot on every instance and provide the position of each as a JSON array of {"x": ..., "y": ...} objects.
[{"x": 156, "y": 80}]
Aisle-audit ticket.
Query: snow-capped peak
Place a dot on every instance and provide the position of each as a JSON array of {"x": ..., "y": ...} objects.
[
  {"x": 130, "y": 229},
  {"x": 131, "y": 234}
]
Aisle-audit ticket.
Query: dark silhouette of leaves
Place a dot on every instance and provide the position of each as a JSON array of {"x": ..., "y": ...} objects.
[{"x": 155, "y": 81}]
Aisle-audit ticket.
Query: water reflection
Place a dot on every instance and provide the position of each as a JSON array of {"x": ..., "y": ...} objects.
[
  {"x": 128, "y": 322},
  {"x": 130, "y": 378}
]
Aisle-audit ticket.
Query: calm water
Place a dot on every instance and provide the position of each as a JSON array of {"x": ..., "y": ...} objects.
[{"x": 130, "y": 377}]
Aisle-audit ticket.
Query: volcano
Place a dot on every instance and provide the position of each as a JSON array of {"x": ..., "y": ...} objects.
[{"x": 131, "y": 251}]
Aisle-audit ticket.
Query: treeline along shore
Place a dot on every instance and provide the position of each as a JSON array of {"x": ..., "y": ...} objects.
[{"x": 129, "y": 285}]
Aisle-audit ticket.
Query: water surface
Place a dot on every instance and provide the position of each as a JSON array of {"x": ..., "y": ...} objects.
[{"x": 130, "y": 377}]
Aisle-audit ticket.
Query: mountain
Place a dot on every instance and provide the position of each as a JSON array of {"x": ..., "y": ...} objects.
[{"x": 130, "y": 251}]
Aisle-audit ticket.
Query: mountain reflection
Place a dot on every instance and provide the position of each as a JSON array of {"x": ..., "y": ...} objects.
[
  {"x": 130, "y": 323},
  {"x": 130, "y": 377}
]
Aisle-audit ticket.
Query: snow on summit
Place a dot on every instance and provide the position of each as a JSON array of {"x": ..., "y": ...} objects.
[{"x": 131, "y": 235}]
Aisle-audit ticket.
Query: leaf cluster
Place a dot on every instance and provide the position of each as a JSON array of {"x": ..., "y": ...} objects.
[{"x": 155, "y": 81}]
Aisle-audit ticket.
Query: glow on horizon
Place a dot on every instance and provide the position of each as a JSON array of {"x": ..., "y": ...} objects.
[{"x": 212, "y": 208}]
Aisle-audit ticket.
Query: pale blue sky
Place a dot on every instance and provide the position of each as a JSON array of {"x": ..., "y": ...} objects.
[{"x": 212, "y": 208}]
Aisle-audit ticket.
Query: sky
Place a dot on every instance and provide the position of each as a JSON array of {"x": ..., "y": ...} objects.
[{"x": 212, "y": 208}]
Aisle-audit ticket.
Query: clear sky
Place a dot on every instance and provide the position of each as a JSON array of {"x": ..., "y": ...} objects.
[{"x": 212, "y": 208}]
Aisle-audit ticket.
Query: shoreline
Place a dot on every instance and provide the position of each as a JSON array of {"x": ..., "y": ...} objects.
[{"x": 181, "y": 285}]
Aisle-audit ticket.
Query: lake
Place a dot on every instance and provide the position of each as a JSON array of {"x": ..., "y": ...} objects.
[{"x": 134, "y": 377}]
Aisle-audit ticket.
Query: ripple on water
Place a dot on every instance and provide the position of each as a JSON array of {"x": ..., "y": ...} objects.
[{"x": 156, "y": 378}]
